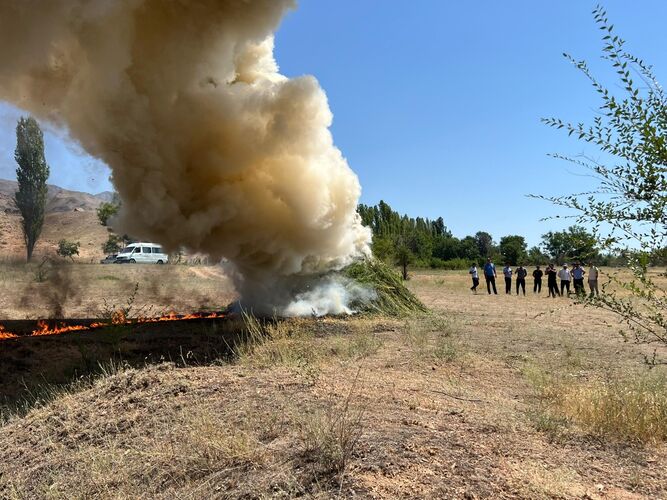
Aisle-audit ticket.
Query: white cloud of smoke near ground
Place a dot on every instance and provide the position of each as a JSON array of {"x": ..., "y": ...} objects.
[
  {"x": 210, "y": 147},
  {"x": 330, "y": 294}
]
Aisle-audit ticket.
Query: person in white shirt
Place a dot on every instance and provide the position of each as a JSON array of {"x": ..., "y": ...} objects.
[
  {"x": 475, "y": 277},
  {"x": 507, "y": 272},
  {"x": 565, "y": 278},
  {"x": 593, "y": 273}
]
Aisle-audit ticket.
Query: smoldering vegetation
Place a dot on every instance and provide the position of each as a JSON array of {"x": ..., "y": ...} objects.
[{"x": 211, "y": 148}]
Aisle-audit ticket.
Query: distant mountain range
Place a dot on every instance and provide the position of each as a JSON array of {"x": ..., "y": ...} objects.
[{"x": 59, "y": 199}]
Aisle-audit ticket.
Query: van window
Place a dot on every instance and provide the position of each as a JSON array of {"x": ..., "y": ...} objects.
[
  {"x": 146, "y": 249},
  {"x": 157, "y": 250}
]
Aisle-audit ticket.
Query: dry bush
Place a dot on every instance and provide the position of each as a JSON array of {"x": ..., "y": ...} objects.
[
  {"x": 359, "y": 343},
  {"x": 633, "y": 409},
  {"x": 629, "y": 408},
  {"x": 329, "y": 436},
  {"x": 277, "y": 343}
]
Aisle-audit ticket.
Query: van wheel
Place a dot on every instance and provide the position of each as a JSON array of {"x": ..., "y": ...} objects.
[
  {"x": 132, "y": 261},
  {"x": 160, "y": 262}
]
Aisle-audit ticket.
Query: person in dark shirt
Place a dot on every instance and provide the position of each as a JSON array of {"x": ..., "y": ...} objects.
[
  {"x": 552, "y": 282},
  {"x": 521, "y": 273},
  {"x": 537, "y": 277}
]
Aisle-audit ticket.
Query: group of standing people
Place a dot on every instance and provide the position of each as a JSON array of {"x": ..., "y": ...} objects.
[{"x": 567, "y": 276}]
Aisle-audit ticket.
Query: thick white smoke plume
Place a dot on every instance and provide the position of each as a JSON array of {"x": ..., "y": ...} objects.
[{"x": 211, "y": 148}]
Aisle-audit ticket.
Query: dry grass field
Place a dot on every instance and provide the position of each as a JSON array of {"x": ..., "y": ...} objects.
[
  {"x": 91, "y": 290},
  {"x": 487, "y": 397}
]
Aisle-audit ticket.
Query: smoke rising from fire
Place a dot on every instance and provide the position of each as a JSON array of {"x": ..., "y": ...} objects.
[{"x": 211, "y": 148}]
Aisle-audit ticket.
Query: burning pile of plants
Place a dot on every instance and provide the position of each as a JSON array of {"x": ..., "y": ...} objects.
[{"x": 392, "y": 297}]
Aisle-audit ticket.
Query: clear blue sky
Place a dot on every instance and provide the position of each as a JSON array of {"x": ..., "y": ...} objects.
[{"x": 437, "y": 103}]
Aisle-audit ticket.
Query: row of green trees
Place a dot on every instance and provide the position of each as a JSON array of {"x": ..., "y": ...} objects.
[{"x": 422, "y": 242}]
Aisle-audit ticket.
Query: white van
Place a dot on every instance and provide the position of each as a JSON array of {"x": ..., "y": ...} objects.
[{"x": 142, "y": 253}]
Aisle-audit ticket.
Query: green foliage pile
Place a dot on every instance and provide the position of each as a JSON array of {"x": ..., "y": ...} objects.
[{"x": 393, "y": 298}]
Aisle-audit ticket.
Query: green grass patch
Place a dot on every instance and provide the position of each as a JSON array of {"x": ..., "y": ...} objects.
[{"x": 108, "y": 277}]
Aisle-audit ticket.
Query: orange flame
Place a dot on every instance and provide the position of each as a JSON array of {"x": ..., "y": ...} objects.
[
  {"x": 118, "y": 318},
  {"x": 4, "y": 334}
]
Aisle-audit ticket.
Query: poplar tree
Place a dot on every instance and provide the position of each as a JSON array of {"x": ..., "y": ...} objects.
[{"x": 32, "y": 173}]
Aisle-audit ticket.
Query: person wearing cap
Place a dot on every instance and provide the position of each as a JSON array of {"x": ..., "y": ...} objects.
[
  {"x": 490, "y": 276},
  {"x": 551, "y": 281},
  {"x": 537, "y": 280},
  {"x": 507, "y": 272},
  {"x": 593, "y": 273},
  {"x": 521, "y": 273},
  {"x": 578, "y": 279},
  {"x": 565, "y": 278}
]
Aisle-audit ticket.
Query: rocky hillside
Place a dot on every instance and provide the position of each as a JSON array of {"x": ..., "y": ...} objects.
[
  {"x": 70, "y": 215},
  {"x": 59, "y": 199}
]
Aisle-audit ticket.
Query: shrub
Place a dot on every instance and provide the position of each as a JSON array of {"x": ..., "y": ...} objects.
[
  {"x": 330, "y": 436},
  {"x": 113, "y": 244},
  {"x": 106, "y": 211},
  {"x": 68, "y": 249}
]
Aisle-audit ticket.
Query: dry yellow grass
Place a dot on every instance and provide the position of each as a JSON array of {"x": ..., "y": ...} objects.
[
  {"x": 618, "y": 406},
  {"x": 443, "y": 406},
  {"x": 88, "y": 290},
  {"x": 82, "y": 227}
]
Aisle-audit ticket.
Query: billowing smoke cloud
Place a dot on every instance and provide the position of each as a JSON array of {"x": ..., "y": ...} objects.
[{"x": 211, "y": 148}]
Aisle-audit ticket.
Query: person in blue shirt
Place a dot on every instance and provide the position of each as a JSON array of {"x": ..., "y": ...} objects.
[
  {"x": 490, "y": 275},
  {"x": 578, "y": 278}
]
